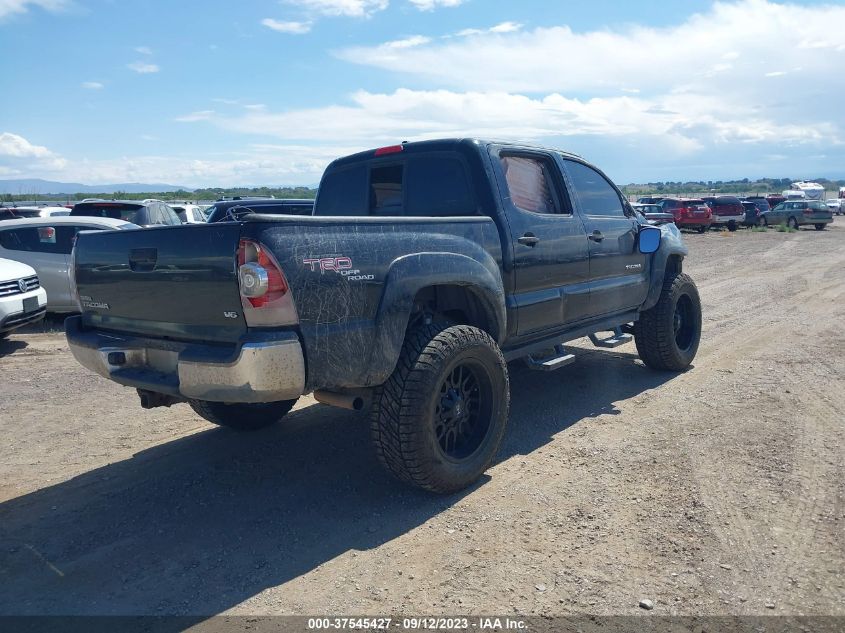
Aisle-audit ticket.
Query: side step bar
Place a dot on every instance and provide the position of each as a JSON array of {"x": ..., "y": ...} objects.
[
  {"x": 618, "y": 338},
  {"x": 562, "y": 359}
]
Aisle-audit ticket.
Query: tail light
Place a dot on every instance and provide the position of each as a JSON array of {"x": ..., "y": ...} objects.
[
  {"x": 808, "y": 211},
  {"x": 265, "y": 294}
]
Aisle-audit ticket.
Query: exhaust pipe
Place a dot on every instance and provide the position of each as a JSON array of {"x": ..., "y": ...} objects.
[
  {"x": 152, "y": 399},
  {"x": 341, "y": 400}
]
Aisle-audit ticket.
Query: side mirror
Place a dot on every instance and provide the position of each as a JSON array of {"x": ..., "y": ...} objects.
[{"x": 649, "y": 239}]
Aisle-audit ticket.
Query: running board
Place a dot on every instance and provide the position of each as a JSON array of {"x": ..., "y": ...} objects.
[
  {"x": 618, "y": 338},
  {"x": 562, "y": 359}
]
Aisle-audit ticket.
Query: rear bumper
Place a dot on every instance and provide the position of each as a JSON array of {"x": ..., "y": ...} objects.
[
  {"x": 693, "y": 222},
  {"x": 263, "y": 368},
  {"x": 725, "y": 219},
  {"x": 808, "y": 219}
]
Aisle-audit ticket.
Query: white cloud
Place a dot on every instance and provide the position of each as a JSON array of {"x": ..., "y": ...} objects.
[
  {"x": 19, "y": 147},
  {"x": 348, "y": 8},
  {"x": 430, "y": 5},
  {"x": 143, "y": 50},
  {"x": 92, "y": 85},
  {"x": 143, "y": 67},
  {"x": 408, "y": 42},
  {"x": 201, "y": 115},
  {"x": 296, "y": 28},
  {"x": 506, "y": 27},
  {"x": 19, "y": 156},
  {"x": 12, "y": 7}
]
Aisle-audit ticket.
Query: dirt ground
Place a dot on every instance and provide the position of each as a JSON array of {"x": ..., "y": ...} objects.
[{"x": 716, "y": 491}]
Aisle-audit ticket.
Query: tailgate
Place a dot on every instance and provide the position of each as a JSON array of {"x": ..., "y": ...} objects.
[{"x": 177, "y": 282}]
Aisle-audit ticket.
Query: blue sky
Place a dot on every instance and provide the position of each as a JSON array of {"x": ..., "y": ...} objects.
[{"x": 267, "y": 92}]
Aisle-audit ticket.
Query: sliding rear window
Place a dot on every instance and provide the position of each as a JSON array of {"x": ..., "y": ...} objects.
[
  {"x": 116, "y": 210},
  {"x": 432, "y": 185}
]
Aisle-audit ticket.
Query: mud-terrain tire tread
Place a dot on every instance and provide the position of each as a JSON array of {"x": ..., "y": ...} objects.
[
  {"x": 242, "y": 417},
  {"x": 653, "y": 333},
  {"x": 394, "y": 418}
]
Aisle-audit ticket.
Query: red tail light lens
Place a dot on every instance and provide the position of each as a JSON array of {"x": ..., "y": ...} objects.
[{"x": 265, "y": 294}]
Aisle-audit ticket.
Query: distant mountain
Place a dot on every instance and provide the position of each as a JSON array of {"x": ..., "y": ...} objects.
[{"x": 29, "y": 186}]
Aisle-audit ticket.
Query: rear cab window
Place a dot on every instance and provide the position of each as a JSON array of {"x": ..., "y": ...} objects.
[
  {"x": 594, "y": 192},
  {"x": 115, "y": 210},
  {"x": 42, "y": 239},
  {"x": 431, "y": 184}
]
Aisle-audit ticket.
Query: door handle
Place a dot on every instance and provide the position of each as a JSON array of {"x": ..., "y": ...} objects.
[
  {"x": 529, "y": 239},
  {"x": 596, "y": 236}
]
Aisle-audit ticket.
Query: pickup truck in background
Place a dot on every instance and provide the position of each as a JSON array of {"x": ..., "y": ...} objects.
[{"x": 424, "y": 270}]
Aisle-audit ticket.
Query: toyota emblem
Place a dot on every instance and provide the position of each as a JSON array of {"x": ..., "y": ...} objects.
[{"x": 22, "y": 285}]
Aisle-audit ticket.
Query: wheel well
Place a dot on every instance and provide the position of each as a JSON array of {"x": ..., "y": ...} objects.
[
  {"x": 674, "y": 265},
  {"x": 458, "y": 304}
]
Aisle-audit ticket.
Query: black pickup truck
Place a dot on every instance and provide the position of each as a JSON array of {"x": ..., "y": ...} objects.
[{"x": 425, "y": 269}]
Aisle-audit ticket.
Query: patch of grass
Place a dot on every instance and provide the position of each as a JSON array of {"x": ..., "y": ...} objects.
[
  {"x": 782, "y": 228},
  {"x": 759, "y": 229}
]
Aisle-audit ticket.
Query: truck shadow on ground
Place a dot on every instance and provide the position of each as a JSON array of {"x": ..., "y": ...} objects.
[
  {"x": 8, "y": 347},
  {"x": 198, "y": 525}
]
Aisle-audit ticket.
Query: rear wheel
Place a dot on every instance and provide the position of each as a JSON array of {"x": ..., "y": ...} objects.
[
  {"x": 820, "y": 227},
  {"x": 439, "y": 419},
  {"x": 242, "y": 416},
  {"x": 792, "y": 223},
  {"x": 702, "y": 228},
  {"x": 668, "y": 334},
  {"x": 732, "y": 226}
]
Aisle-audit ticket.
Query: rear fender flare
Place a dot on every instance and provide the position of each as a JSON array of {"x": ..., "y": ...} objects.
[{"x": 410, "y": 274}]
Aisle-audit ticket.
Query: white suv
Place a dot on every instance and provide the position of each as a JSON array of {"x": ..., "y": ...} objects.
[{"x": 22, "y": 299}]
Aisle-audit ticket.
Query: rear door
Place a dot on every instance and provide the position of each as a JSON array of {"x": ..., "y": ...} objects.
[
  {"x": 174, "y": 282},
  {"x": 550, "y": 251},
  {"x": 618, "y": 276}
]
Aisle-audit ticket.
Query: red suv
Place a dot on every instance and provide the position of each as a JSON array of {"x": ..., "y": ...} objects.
[
  {"x": 727, "y": 211},
  {"x": 690, "y": 213}
]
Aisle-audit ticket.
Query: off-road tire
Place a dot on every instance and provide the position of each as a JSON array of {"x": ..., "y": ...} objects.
[
  {"x": 242, "y": 416},
  {"x": 404, "y": 415},
  {"x": 820, "y": 227},
  {"x": 792, "y": 223},
  {"x": 655, "y": 334}
]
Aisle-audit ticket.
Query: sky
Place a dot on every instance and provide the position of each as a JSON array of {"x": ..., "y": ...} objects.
[{"x": 268, "y": 92}]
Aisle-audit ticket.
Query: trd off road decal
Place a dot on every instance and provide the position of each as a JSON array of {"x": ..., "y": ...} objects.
[{"x": 340, "y": 265}]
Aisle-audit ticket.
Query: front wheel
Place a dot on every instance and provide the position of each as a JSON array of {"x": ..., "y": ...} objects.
[
  {"x": 439, "y": 419},
  {"x": 765, "y": 222},
  {"x": 242, "y": 416},
  {"x": 668, "y": 334},
  {"x": 792, "y": 223},
  {"x": 820, "y": 227}
]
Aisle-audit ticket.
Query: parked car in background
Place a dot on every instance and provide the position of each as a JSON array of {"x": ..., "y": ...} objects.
[
  {"x": 835, "y": 205},
  {"x": 45, "y": 244},
  {"x": 228, "y": 210},
  {"x": 191, "y": 213},
  {"x": 22, "y": 299},
  {"x": 39, "y": 211},
  {"x": 752, "y": 213},
  {"x": 654, "y": 213},
  {"x": 774, "y": 200},
  {"x": 727, "y": 211},
  {"x": 141, "y": 213},
  {"x": 650, "y": 199},
  {"x": 760, "y": 201},
  {"x": 689, "y": 213},
  {"x": 795, "y": 213}
]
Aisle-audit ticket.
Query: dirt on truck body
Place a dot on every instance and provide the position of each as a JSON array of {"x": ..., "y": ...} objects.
[{"x": 716, "y": 491}]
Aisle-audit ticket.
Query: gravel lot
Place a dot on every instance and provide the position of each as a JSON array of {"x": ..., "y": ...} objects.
[{"x": 717, "y": 491}]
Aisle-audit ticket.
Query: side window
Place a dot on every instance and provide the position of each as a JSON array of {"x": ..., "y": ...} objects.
[
  {"x": 438, "y": 186},
  {"x": 39, "y": 239},
  {"x": 530, "y": 185},
  {"x": 171, "y": 216},
  {"x": 596, "y": 194},
  {"x": 386, "y": 192}
]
